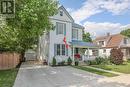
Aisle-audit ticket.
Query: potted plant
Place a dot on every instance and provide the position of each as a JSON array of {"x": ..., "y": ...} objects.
[
  {"x": 54, "y": 61},
  {"x": 77, "y": 57},
  {"x": 69, "y": 61}
]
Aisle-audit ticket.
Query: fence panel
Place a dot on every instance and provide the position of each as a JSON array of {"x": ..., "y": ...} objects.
[{"x": 9, "y": 60}]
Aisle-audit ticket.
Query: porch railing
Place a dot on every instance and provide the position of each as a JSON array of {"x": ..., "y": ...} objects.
[{"x": 86, "y": 57}]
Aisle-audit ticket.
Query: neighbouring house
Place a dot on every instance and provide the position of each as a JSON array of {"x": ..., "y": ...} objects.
[
  {"x": 65, "y": 40},
  {"x": 109, "y": 42}
]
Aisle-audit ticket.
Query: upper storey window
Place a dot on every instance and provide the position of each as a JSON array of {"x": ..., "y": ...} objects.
[
  {"x": 125, "y": 40},
  {"x": 60, "y": 28},
  {"x": 101, "y": 43},
  {"x": 74, "y": 34}
]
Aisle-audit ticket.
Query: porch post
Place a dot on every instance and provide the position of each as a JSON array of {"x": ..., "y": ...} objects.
[
  {"x": 88, "y": 53},
  {"x": 73, "y": 53}
]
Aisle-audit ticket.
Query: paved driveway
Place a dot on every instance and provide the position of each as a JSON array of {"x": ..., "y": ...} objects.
[{"x": 45, "y": 76}]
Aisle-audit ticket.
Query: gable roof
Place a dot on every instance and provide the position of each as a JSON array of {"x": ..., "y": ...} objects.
[
  {"x": 77, "y": 26},
  {"x": 111, "y": 40},
  {"x": 67, "y": 13}
]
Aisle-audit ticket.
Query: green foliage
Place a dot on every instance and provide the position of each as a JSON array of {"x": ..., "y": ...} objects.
[
  {"x": 7, "y": 77},
  {"x": 76, "y": 63},
  {"x": 31, "y": 20},
  {"x": 98, "y": 61},
  {"x": 87, "y": 37},
  {"x": 88, "y": 62},
  {"x": 69, "y": 61},
  {"x": 126, "y": 32},
  {"x": 116, "y": 56},
  {"x": 54, "y": 61}
]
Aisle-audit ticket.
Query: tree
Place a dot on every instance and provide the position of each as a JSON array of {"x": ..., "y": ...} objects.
[
  {"x": 116, "y": 56},
  {"x": 126, "y": 32},
  {"x": 86, "y": 37},
  {"x": 31, "y": 20}
]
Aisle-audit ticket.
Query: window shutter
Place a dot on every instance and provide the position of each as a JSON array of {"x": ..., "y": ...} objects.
[
  {"x": 56, "y": 28},
  {"x": 66, "y": 51},
  {"x": 55, "y": 49},
  {"x": 64, "y": 29}
]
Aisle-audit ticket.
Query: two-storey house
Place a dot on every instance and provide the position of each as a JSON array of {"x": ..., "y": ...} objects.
[
  {"x": 63, "y": 41},
  {"x": 109, "y": 42}
]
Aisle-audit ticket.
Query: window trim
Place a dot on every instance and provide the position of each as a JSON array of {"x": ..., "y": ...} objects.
[
  {"x": 125, "y": 40},
  {"x": 102, "y": 44},
  {"x": 73, "y": 36},
  {"x": 62, "y": 50},
  {"x": 63, "y": 29}
]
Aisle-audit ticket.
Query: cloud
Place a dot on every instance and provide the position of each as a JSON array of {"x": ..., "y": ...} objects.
[
  {"x": 99, "y": 29},
  {"x": 92, "y": 7},
  {"x": 70, "y": 10}
]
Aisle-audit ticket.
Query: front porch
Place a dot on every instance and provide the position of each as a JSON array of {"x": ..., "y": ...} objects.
[
  {"x": 126, "y": 52},
  {"x": 86, "y": 50}
]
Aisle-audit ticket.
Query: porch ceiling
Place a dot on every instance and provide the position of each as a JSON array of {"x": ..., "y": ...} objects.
[{"x": 82, "y": 44}]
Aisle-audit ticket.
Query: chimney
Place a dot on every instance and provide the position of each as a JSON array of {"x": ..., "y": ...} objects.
[{"x": 108, "y": 34}]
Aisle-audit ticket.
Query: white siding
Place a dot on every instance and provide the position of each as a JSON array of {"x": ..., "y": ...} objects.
[
  {"x": 62, "y": 18},
  {"x": 102, "y": 54},
  {"x": 58, "y": 39}
]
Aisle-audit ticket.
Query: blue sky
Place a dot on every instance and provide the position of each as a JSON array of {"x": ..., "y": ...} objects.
[{"x": 100, "y": 16}]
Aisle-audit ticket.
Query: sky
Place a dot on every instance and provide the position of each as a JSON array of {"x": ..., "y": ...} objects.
[{"x": 100, "y": 17}]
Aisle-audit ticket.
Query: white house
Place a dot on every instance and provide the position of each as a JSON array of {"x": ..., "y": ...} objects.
[
  {"x": 109, "y": 42},
  {"x": 64, "y": 41}
]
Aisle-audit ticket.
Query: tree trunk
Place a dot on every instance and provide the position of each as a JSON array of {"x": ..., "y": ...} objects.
[{"x": 23, "y": 59}]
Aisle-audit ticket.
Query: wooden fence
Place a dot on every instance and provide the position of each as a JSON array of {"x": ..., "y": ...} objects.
[{"x": 9, "y": 60}]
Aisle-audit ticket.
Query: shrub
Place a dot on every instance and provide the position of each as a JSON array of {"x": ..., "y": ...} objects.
[
  {"x": 99, "y": 60},
  {"x": 116, "y": 56},
  {"x": 91, "y": 62},
  {"x": 76, "y": 63},
  {"x": 69, "y": 61},
  {"x": 88, "y": 62},
  {"x": 54, "y": 61}
]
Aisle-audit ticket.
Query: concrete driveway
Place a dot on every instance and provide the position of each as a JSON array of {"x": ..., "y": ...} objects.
[{"x": 33, "y": 75}]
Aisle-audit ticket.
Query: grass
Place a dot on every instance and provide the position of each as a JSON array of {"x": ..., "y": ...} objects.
[
  {"x": 95, "y": 71},
  {"x": 124, "y": 68},
  {"x": 7, "y": 77}
]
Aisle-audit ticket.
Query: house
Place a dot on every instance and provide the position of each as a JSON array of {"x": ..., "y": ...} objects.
[
  {"x": 64, "y": 41},
  {"x": 109, "y": 42}
]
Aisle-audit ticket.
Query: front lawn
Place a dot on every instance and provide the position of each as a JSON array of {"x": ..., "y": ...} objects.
[
  {"x": 124, "y": 68},
  {"x": 7, "y": 77},
  {"x": 95, "y": 71}
]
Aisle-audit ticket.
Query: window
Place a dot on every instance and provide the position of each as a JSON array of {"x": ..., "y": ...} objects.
[
  {"x": 95, "y": 52},
  {"x": 104, "y": 50},
  {"x": 60, "y": 49},
  {"x": 76, "y": 50},
  {"x": 101, "y": 43},
  {"x": 60, "y": 28},
  {"x": 125, "y": 40},
  {"x": 61, "y": 13},
  {"x": 74, "y": 33},
  {"x": 63, "y": 49}
]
